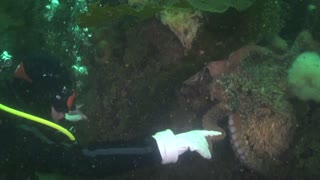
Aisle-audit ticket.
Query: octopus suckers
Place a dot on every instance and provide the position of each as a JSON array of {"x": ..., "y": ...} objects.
[
  {"x": 243, "y": 157},
  {"x": 234, "y": 123},
  {"x": 234, "y": 137},
  {"x": 240, "y": 151},
  {"x": 231, "y": 122},
  {"x": 236, "y": 144},
  {"x": 232, "y": 129}
]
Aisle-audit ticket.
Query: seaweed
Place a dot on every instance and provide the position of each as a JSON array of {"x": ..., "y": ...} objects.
[{"x": 98, "y": 15}]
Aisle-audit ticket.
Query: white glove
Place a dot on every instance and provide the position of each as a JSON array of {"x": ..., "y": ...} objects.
[
  {"x": 75, "y": 115},
  {"x": 171, "y": 146},
  {"x": 72, "y": 116}
]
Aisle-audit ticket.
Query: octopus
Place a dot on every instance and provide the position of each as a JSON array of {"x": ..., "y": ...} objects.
[{"x": 248, "y": 91}]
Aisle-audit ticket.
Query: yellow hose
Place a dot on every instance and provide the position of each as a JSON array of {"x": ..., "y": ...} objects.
[{"x": 38, "y": 120}]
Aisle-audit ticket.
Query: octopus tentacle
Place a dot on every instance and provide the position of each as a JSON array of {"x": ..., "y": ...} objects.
[
  {"x": 234, "y": 126},
  {"x": 210, "y": 121}
]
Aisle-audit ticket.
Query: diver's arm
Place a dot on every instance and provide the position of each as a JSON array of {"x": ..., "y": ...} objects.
[
  {"x": 103, "y": 159},
  {"x": 115, "y": 158}
]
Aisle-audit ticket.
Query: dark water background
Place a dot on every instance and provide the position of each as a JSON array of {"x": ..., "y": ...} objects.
[{"x": 136, "y": 66}]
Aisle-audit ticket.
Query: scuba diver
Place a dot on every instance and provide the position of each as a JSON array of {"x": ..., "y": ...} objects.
[
  {"x": 46, "y": 81},
  {"x": 43, "y": 78}
]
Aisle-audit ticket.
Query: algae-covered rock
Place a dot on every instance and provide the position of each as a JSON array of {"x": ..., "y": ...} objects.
[
  {"x": 221, "y": 6},
  {"x": 183, "y": 22}
]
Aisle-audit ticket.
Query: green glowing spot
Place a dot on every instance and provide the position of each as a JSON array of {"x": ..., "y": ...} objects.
[{"x": 80, "y": 70}]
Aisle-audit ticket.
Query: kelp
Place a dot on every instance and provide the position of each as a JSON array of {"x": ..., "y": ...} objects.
[
  {"x": 220, "y": 6},
  {"x": 100, "y": 15}
]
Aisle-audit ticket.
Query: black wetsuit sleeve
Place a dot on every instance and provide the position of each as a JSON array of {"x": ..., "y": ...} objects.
[
  {"x": 100, "y": 160},
  {"x": 27, "y": 152},
  {"x": 114, "y": 158}
]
